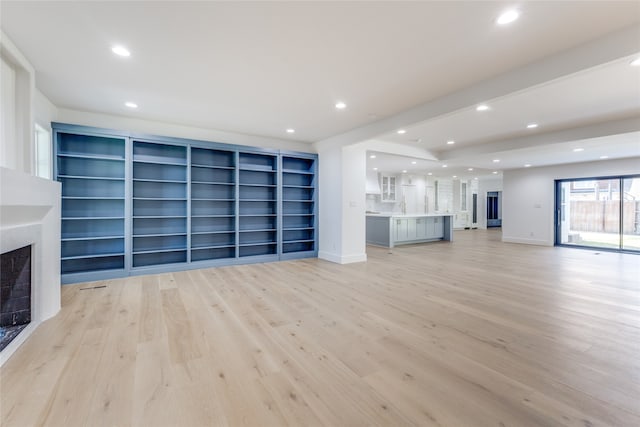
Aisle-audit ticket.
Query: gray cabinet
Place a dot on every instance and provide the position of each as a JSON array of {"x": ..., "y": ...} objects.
[
  {"x": 421, "y": 228},
  {"x": 403, "y": 230},
  {"x": 416, "y": 229},
  {"x": 433, "y": 228},
  {"x": 437, "y": 232},
  {"x": 389, "y": 230}
]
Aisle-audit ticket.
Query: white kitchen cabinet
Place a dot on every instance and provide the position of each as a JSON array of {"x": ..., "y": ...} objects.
[{"x": 373, "y": 183}]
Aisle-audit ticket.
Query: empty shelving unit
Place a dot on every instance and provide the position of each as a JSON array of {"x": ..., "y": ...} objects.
[
  {"x": 159, "y": 204},
  {"x": 213, "y": 204},
  {"x": 298, "y": 204},
  {"x": 257, "y": 204},
  {"x": 91, "y": 169},
  {"x": 137, "y": 204}
]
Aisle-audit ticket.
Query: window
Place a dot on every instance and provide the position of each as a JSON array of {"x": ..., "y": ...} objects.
[
  {"x": 42, "y": 152},
  {"x": 8, "y": 115}
]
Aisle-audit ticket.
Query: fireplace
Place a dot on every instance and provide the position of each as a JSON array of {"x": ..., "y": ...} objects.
[
  {"x": 15, "y": 293},
  {"x": 29, "y": 217}
]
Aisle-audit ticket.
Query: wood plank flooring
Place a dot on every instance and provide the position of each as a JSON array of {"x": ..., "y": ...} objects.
[{"x": 471, "y": 333}]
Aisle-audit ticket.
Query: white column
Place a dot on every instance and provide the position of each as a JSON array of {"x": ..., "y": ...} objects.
[{"x": 342, "y": 204}]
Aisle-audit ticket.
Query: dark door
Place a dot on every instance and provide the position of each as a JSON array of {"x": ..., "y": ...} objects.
[{"x": 494, "y": 216}]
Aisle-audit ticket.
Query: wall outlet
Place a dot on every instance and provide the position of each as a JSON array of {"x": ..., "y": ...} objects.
[{"x": 531, "y": 234}]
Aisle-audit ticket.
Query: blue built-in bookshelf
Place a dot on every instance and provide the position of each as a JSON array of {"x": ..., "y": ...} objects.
[
  {"x": 135, "y": 204},
  {"x": 159, "y": 228},
  {"x": 91, "y": 169}
]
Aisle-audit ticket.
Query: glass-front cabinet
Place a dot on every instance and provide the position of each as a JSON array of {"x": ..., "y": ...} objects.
[{"x": 388, "y": 188}]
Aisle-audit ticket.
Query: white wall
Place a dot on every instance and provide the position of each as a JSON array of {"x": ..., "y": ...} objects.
[
  {"x": 151, "y": 127},
  {"x": 330, "y": 204},
  {"x": 44, "y": 111},
  {"x": 528, "y": 197},
  {"x": 354, "y": 167},
  {"x": 342, "y": 204}
]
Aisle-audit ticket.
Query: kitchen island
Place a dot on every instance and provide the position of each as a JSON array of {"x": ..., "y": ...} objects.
[{"x": 389, "y": 230}]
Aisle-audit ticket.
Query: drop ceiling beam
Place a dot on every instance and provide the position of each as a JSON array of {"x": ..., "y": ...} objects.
[
  {"x": 614, "y": 46},
  {"x": 597, "y": 130},
  {"x": 415, "y": 152}
]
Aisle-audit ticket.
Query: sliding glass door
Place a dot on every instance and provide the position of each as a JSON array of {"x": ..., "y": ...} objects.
[
  {"x": 631, "y": 214},
  {"x": 599, "y": 213}
]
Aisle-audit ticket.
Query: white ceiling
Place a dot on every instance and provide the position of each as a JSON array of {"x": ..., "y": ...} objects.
[{"x": 261, "y": 67}]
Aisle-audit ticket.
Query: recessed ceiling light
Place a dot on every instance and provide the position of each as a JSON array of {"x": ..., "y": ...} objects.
[
  {"x": 636, "y": 62},
  {"x": 475, "y": 177},
  {"x": 131, "y": 104},
  {"x": 341, "y": 105},
  {"x": 413, "y": 162},
  {"x": 291, "y": 130},
  {"x": 455, "y": 176},
  {"x": 482, "y": 107},
  {"x": 430, "y": 173},
  {"x": 121, "y": 51},
  {"x": 577, "y": 150},
  {"x": 532, "y": 125},
  {"x": 604, "y": 157},
  {"x": 495, "y": 172},
  {"x": 401, "y": 131},
  {"x": 470, "y": 169},
  {"x": 444, "y": 166},
  {"x": 373, "y": 156},
  {"x": 507, "y": 17},
  {"x": 404, "y": 171},
  {"x": 496, "y": 160},
  {"x": 527, "y": 165},
  {"x": 375, "y": 169},
  {"x": 451, "y": 142}
]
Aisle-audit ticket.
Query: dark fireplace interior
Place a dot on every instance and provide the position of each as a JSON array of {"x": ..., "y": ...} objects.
[{"x": 15, "y": 293}]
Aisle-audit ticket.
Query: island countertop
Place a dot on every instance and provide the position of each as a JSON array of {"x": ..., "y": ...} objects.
[{"x": 417, "y": 215}]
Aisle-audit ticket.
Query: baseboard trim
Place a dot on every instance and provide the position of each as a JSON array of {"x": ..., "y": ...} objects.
[
  {"x": 342, "y": 259},
  {"x": 520, "y": 240}
]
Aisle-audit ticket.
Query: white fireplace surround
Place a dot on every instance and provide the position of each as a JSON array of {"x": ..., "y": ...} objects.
[{"x": 30, "y": 215}]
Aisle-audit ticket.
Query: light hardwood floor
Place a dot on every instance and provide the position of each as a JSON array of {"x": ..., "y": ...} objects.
[{"x": 470, "y": 333}]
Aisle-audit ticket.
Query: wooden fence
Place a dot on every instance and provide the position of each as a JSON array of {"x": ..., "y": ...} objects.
[{"x": 603, "y": 216}]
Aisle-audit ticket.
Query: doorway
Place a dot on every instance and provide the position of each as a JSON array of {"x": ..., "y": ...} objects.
[
  {"x": 601, "y": 213},
  {"x": 494, "y": 209}
]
